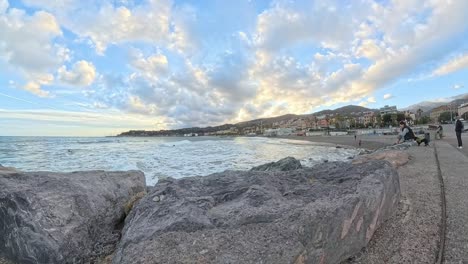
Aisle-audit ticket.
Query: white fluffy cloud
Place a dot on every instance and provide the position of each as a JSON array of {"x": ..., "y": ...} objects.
[
  {"x": 26, "y": 45},
  {"x": 83, "y": 73},
  {"x": 387, "y": 96},
  {"x": 107, "y": 24},
  {"x": 152, "y": 66}
]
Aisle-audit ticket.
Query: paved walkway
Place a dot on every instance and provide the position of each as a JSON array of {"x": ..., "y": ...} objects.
[
  {"x": 454, "y": 168},
  {"x": 412, "y": 234}
]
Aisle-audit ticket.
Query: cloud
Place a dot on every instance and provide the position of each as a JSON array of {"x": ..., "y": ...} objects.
[
  {"x": 45, "y": 122},
  {"x": 107, "y": 24},
  {"x": 35, "y": 88},
  {"x": 285, "y": 25},
  {"x": 83, "y": 73},
  {"x": 363, "y": 104},
  {"x": 152, "y": 66},
  {"x": 3, "y": 6},
  {"x": 190, "y": 68},
  {"x": 456, "y": 64},
  {"x": 27, "y": 46},
  {"x": 458, "y": 86},
  {"x": 387, "y": 96}
]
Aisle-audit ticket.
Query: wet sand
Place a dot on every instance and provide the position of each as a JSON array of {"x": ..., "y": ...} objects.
[{"x": 367, "y": 142}]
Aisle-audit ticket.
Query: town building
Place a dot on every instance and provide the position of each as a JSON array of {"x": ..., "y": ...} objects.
[
  {"x": 388, "y": 110},
  {"x": 463, "y": 110},
  {"x": 279, "y": 132},
  {"x": 368, "y": 118},
  {"x": 435, "y": 114}
]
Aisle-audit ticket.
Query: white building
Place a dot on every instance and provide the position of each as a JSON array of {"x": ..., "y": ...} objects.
[
  {"x": 388, "y": 110},
  {"x": 280, "y": 132}
]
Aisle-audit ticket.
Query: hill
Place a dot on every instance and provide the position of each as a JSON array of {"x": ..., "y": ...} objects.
[
  {"x": 345, "y": 110},
  {"x": 427, "y": 106},
  {"x": 260, "y": 122}
]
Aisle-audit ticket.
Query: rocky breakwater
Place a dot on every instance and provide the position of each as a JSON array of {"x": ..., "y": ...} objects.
[
  {"x": 73, "y": 217},
  {"x": 323, "y": 214}
]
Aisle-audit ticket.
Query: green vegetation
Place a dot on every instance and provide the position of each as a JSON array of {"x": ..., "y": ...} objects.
[{"x": 446, "y": 117}]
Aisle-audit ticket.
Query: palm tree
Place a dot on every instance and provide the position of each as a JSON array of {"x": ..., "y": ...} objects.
[{"x": 419, "y": 112}]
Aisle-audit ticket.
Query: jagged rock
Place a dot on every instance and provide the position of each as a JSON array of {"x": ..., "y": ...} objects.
[
  {"x": 396, "y": 157},
  {"x": 401, "y": 146},
  {"x": 323, "y": 214},
  {"x": 286, "y": 164},
  {"x": 48, "y": 217}
]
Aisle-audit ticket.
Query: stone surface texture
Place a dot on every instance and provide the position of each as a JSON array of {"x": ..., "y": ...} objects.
[
  {"x": 323, "y": 214},
  {"x": 48, "y": 217},
  {"x": 397, "y": 158},
  {"x": 286, "y": 164},
  {"x": 412, "y": 234}
]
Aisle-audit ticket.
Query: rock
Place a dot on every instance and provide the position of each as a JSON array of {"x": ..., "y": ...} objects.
[
  {"x": 401, "y": 146},
  {"x": 396, "y": 157},
  {"x": 323, "y": 214},
  {"x": 286, "y": 164},
  {"x": 76, "y": 217}
]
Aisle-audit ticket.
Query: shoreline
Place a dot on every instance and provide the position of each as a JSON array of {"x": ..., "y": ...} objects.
[{"x": 367, "y": 142}]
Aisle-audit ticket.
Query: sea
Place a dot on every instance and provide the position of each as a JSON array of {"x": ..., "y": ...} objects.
[{"x": 160, "y": 157}]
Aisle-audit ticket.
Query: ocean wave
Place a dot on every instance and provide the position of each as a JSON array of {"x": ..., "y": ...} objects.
[
  {"x": 95, "y": 142},
  {"x": 176, "y": 143}
]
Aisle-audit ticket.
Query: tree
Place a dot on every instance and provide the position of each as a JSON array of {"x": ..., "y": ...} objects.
[
  {"x": 424, "y": 120},
  {"x": 400, "y": 117},
  {"x": 378, "y": 120},
  {"x": 446, "y": 117},
  {"x": 419, "y": 113},
  {"x": 339, "y": 121}
]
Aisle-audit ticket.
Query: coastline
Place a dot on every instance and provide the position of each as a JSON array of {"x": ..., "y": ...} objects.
[
  {"x": 367, "y": 142},
  {"x": 405, "y": 230}
]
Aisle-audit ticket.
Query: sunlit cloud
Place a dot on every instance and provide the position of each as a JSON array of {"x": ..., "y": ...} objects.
[
  {"x": 200, "y": 64},
  {"x": 456, "y": 64}
]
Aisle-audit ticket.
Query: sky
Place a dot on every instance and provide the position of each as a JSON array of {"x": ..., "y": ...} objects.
[{"x": 98, "y": 68}]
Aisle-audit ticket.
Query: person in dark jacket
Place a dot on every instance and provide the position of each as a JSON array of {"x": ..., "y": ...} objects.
[
  {"x": 458, "y": 130},
  {"x": 406, "y": 133}
]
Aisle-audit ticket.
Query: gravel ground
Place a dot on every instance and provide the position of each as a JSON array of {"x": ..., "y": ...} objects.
[
  {"x": 4, "y": 261},
  {"x": 412, "y": 235},
  {"x": 454, "y": 167}
]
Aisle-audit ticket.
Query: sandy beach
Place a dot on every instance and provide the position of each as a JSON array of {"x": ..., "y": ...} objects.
[{"x": 367, "y": 142}]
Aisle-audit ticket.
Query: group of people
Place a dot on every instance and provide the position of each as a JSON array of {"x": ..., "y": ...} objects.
[{"x": 407, "y": 134}]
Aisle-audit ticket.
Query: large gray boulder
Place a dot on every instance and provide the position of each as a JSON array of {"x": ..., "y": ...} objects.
[
  {"x": 286, "y": 164},
  {"x": 323, "y": 214},
  {"x": 73, "y": 217}
]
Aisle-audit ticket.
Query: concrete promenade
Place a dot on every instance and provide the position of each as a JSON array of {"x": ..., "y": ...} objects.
[
  {"x": 454, "y": 168},
  {"x": 413, "y": 235}
]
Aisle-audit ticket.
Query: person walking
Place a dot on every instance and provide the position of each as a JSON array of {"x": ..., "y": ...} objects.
[{"x": 458, "y": 130}]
